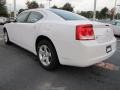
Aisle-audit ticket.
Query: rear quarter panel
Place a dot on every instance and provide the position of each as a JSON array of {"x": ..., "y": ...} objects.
[{"x": 61, "y": 34}]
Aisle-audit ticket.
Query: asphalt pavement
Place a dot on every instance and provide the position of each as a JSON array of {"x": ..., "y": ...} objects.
[{"x": 19, "y": 70}]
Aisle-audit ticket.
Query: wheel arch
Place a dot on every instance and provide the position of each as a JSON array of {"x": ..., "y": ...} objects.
[
  {"x": 42, "y": 37},
  {"x": 4, "y": 29}
]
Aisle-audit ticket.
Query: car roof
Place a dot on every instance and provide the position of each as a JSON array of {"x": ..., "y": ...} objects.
[
  {"x": 43, "y": 9},
  {"x": 47, "y": 13},
  {"x": 39, "y": 9}
]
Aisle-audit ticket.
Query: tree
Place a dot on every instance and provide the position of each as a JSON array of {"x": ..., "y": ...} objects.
[
  {"x": 12, "y": 14},
  {"x": 67, "y": 7},
  {"x": 87, "y": 14},
  {"x": 2, "y": 2},
  {"x": 41, "y": 5},
  {"x": 97, "y": 14},
  {"x": 90, "y": 14},
  {"x": 3, "y": 8},
  {"x": 103, "y": 12},
  {"x": 54, "y": 7},
  {"x": 112, "y": 13},
  {"x": 32, "y": 5},
  {"x": 117, "y": 16}
]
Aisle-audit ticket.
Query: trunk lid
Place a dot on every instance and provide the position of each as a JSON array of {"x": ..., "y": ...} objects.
[{"x": 103, "y": 32}]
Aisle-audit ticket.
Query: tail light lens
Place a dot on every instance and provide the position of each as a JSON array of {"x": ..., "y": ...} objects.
[{"x": 85, "y": 32}]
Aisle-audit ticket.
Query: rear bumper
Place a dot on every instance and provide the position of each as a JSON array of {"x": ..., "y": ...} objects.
[
  {"x": 89, "y": 53},
  {"x": 95, "y": 60}
]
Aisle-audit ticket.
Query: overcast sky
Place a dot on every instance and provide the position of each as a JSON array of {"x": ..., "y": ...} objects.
[{"x": 79, "y": 5}]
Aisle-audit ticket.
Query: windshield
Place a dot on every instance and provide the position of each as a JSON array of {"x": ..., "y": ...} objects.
[{"x": 67, "y": 15}]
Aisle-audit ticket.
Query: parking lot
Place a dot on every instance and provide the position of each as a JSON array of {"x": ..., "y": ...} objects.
[{"x": 20, "y": 70}]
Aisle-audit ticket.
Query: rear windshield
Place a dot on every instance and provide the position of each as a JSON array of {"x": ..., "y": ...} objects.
[{"x": 67, "y": 15}]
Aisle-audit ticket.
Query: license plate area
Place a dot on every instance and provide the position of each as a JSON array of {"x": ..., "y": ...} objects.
[{"x": 108, "y": 49}]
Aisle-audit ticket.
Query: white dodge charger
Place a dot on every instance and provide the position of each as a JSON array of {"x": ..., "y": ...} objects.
[{"x": 61, "y": 37}]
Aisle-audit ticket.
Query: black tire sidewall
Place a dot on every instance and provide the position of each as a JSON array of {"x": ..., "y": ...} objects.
[
  {"x": 8, "y": 41},
  {"x": 54, "y": 61}
]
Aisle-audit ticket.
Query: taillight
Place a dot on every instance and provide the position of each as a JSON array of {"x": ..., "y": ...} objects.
[{"x": 85, "y": 32}]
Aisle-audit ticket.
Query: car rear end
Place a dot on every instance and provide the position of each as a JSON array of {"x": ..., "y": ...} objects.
[
  {"x": 83, "y": 42},
  {"x": 95, "y": 42}
]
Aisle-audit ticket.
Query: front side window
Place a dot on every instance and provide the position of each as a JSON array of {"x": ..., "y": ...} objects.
[
  {"x": 34, "y": 17},
  {"x": 22, "y": 17}
]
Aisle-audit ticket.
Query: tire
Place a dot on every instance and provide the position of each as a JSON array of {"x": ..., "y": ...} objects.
[
  {"x": 47, "y": 55},
  {"x": 6, "y": 38}
]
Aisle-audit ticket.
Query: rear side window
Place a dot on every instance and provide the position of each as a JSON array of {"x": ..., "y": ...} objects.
[
  {"x": 67, "y": 15},
  {"x": 34, "y": 17},
  {"x": 22, "y": 17}
]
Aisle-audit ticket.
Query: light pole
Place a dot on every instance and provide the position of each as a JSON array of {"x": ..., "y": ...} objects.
[
  {"x": 94, "y": 13},
  {"x": 114, "y": 10},
  {"x": 49, "y": 2},
  {"x": 115, "y": 3},
  {"x": 9, "y": 6},
  {"x": 118, "y": 11},
  {"x": 14, "y": 8}
]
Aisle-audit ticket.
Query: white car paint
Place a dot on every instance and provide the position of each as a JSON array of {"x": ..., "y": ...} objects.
[
  {"x": 116, "y": 27},
  {"x": 62, "y": 34}
]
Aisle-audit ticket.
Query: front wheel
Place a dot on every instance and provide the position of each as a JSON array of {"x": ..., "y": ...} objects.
[
  {"x": 6, "y": 38},
  {"x": 47, "y": 55}
]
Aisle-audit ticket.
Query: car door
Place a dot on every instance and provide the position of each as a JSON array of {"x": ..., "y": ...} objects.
[
  {"x": 15, "y": 28},
  {"x": 28, "y": 30}
]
